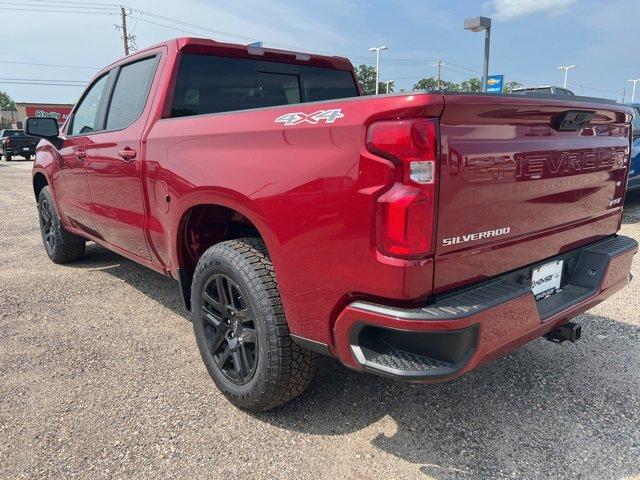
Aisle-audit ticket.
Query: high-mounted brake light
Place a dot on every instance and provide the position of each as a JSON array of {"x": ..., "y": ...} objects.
[{"x": 406, "y": 212}]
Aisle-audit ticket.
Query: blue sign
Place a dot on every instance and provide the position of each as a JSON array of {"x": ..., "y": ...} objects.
[
  {"x": 494, "y": 83},
  {"x": 255, "y": 44}
]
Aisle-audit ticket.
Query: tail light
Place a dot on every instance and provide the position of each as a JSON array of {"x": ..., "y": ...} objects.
[
  {"x": 7, "y": 141},
  {"x": 405, "y": 213}
]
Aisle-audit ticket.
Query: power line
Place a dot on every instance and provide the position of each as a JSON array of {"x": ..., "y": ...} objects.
[
  {"x": 50, "y": 5},
  {"x": 42, "y": 83},
  {"x": 47, "y": 65},
  {"x": 81, "y": 3},
  {"x": 82, "y": 82},
  {"x": 55, "y": 11},
  {"x": 166, "y": 26}
]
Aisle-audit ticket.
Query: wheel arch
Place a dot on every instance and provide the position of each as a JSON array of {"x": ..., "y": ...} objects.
[
  {"x": 207, "y": 222},
  {"x": 40, "y": 181}
]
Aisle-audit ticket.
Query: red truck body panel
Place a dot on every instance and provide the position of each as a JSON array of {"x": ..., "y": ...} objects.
[{"x": 311, "y": 190}]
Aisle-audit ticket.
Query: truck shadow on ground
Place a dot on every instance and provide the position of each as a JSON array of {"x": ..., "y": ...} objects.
[
  {"x": 152, "y": 284},
  {"x": 543, "y": 411}
]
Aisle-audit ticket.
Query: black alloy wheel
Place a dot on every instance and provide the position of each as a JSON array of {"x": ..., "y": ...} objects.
[
  {"x": 230, "y": 329},
  {"x": 46, "y": 225}
]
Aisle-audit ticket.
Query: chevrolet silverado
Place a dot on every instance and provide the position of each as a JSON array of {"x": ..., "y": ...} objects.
[{"x": 414, "y": 236}]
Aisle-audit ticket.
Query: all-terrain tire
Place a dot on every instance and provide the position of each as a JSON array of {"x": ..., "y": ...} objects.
[
  {"x": 282, "y": 369},
  {"x": 61, "y": 246}
]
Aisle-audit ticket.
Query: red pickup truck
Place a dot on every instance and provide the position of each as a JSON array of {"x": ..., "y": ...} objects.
[{"x": 414, "y": 236}]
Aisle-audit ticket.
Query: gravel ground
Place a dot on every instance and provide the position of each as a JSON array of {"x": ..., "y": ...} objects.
[{"x": 100, "y": 377}]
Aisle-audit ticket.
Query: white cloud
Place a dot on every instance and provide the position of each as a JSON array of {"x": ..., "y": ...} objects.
[{"x": 510, "y": 9}]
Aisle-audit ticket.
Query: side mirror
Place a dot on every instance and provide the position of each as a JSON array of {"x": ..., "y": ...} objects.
[{"x": 46, "y": 127}]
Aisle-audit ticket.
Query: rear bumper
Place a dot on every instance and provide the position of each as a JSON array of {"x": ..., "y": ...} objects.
[{"x": 463, "y": 330}]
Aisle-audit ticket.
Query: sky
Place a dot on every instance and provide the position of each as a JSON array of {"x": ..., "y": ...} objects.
[{"x": 529, "y": 40}]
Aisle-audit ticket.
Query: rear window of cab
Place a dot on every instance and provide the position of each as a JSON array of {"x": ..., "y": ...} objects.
[{"x": 213, "y": 84}]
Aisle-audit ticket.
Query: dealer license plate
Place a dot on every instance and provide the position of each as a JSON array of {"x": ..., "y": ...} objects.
[{"x": 545, "y": 280}]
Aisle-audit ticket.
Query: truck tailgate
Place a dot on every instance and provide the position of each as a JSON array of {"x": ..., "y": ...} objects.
[{"x": 521, "y": 181}]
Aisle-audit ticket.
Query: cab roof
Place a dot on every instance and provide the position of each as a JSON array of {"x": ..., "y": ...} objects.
[
  {"x": 212, "y": 47},
  {"x": 208, "y": 46}
]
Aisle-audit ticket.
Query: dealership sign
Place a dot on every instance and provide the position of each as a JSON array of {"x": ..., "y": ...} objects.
[
  {"x": 59, "y": 113},
  {"x": 494, "y": 83}
]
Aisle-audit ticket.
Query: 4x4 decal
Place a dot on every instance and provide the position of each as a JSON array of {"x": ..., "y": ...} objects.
[{"x": 296, "y": 118}]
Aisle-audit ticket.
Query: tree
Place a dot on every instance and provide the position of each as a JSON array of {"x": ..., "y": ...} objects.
[
  {"x": 366, "y": 75},
  {"x": 471, "y": 85},
  {"x": 5, "y": 123},
  {"x": 6, "y": 103},
  {"x": 510, "y": 86},
  {"x": 430, "y": 84}
]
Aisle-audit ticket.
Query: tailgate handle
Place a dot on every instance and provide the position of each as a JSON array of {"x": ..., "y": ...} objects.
[{"x": 572, "y": 120}]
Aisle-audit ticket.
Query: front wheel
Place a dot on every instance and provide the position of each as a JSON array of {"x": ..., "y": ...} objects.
[
  {"x": 241, "y": 330},
  {"x": 7, "y": 157},
  {"x": 60, "y": 245}
]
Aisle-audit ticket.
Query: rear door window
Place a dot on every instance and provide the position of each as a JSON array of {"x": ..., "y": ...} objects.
[
  {"x": 212, "y": 84},
  {"x": 130, "y": 93}
]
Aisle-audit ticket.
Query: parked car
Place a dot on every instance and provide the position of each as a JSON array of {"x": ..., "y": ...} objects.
[
  {"x": 543, "y": 90},
  {"x": 634, "y": 169},
  {"x": 636, "y": 119},
  {"x": 15, "y": 142},
  {"x": 414, "y": 236}
]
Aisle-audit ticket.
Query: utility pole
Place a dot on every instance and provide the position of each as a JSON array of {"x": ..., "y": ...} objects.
[
  {"x": 128, "y": 40},
  {"x": 439, "y": 64},
  {"x": 633, "y": 92},
  {"x": 566, "y": 71},
  {"x": 125, "y": 37}
]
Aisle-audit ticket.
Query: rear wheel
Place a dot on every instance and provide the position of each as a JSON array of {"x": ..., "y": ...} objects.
[
  {"x": 7, "y": 157},
  {"x": 27, "y": 157},
  {"x": 60, "y": 245},
  {"x": 241, "y": 330}
]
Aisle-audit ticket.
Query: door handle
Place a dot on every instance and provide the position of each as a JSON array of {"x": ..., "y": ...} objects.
[
  {"x": 80, "y": 155},
  {"x": 127, "y": 154}
]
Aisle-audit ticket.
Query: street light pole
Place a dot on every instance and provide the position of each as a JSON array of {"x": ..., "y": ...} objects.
[
  {"x": 378, "y": 50},
  {"x": 387, "y": 83},
  {"x": 478, "y": 24},
  {"x": 566, "y": 71},
  {"x": 439, "y": 64},
  {"x": 633, "y": 92},
  {"x": 485, "y": 68}
]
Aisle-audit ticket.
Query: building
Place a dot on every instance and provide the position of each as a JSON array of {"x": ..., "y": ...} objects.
[{"x": 59, "y": 111}]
